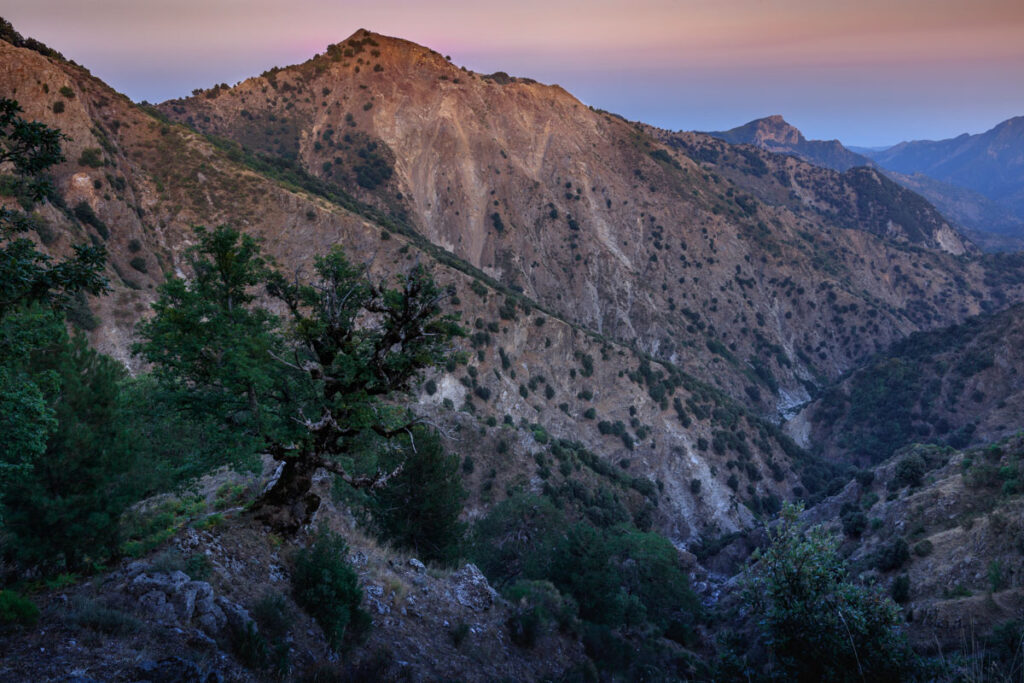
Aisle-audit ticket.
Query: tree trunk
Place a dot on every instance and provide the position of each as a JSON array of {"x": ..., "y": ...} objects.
[{"x": 289, "y": 503}]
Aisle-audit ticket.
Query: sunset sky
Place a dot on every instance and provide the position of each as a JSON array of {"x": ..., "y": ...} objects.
[{"x": 869, "y": 72}]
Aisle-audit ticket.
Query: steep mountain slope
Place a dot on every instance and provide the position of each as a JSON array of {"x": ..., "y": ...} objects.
[
  {"x": 774, "y": 134},
  {"x": 594, "y": 219},
  {"x": 957, "y": 386},
  {"x": 990, "y": 163},
  {"x": 136, "y": 184},
  {"x": 941, "y": 530},
  {"x": 991, "y": 225}
]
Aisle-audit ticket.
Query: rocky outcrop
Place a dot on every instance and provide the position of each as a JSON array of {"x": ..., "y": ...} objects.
[{"x": 175, "y": 598}]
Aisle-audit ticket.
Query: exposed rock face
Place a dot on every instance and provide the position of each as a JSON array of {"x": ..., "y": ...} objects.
[
  {"x": 472, "y": 590},
  {"x": 175, "y": 597}
]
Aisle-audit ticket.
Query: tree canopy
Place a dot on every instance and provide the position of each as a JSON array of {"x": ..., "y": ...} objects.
[
  {"x": 29, "y": 149},
  {"x": 59, "y": 406},
  {"x": 816, "y": 623},
  {"x": 314, "y": 388}
]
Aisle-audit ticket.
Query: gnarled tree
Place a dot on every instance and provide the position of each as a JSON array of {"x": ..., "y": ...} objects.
[{"x": 317, "y": 390}]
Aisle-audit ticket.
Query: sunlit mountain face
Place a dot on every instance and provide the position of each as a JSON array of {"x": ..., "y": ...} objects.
[{"x": 869, "y": 74}]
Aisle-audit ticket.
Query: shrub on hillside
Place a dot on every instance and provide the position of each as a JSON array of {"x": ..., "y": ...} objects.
[
  {"x": 327, "y": 588},
  {"x": 15, "y": 609},
  {"x": 816, "y": 624},
  {"x": 419, "y": 508}
]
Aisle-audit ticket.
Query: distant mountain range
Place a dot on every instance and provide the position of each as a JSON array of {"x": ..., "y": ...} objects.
[
  {"x": 990, "y": 163},
  {"x": 977, "y": 181}
]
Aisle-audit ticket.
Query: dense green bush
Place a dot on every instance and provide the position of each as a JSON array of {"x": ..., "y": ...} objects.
[
  {"x": 92, "y": 157},
  {"x": 16, "y": 610},
  {"x": 815, "y": 623},
  {"x": 419, "y": 508},
  {"x": 538, "y": 605},
  {"x": 853, "y": 519},
  {"x": 909, "y": 471},
  {"x": 87, "y": 216},
  {"x": 516, "y": 539},
  {"x": 616, "y": 575},
  {"x": 1005, "y": 649},
  {"x": 61, "y": 513},
  {"x": 901, "y": 589},
  {"x": 620, "y": 587},
  {"x": 891, "y": 555},
  {"x": 326, "y": 586}
]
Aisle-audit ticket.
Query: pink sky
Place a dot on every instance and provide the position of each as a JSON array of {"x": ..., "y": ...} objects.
[{"x": 869, "y": 72}]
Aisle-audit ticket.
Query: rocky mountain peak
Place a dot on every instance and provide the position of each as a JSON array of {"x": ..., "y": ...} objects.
[{"x": 774, "y": 128}]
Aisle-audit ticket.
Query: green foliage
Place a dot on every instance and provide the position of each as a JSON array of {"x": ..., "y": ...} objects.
[
  {"x": 612, "y": 577},
  {"x": 139, "y": 264},
  {"x": 816, "y": 624},
  {"x": 996, "y": 576},
  {"x": 78, "y": 313},
  {"x": 622, "y": 576},
  {"x": 1005, "y": 646},
  {"x": 853, "y": 519},
  {"x": 913, "y": 393},
  {"x": 87, "y": 216},
  {"x": 499, "y": 225},
  {"x": 16, "y": 610},
  {"x": 327, "y": 588},
  {"x": 144, "y": 530},
  {"x": 909, "y": 471},
  {"x": 8, "y": 33},
  {"x": 249, "y": 645},
  {"x": 264, "y": 643},
  {"x": 98, "y": 616},
  {"x": 26, "y": 275},
  {"x": 538, "y": 605},
  {"x": 92, "y": 157},
  {"x": 273, "y": 615},
  {"x": 664, "y": 157},
  {"x": 61, "y": 505},
  {"x": 901, "y": 589},
  {"x": 516, "y": 539},
  {"x": 26, "y": 416},
  {"x": 373, "y": 168},
  {"x": 419, "y": 508},
  {"x": 891, "y": 555},
  {"x": 210, "y": 349}
]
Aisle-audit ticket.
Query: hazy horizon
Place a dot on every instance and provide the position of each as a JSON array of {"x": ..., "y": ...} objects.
[{"x": 870, "y": 74}]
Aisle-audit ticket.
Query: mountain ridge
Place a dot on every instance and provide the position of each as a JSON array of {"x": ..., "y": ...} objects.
[
  {"x": 488, "y": 178},
  {"x": 984, "y": 218},
  {"x": 775, "y": 134},
  {"x": 991, "y": 163}
]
